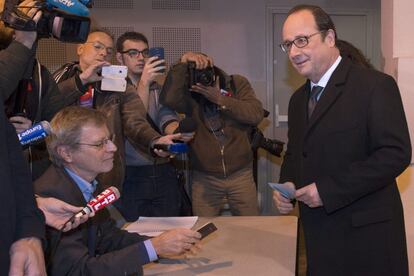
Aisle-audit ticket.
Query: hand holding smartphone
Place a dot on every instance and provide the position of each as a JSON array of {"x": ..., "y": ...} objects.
[
  {"x": 158, "y": 52},
  {"x": 206, "y": 229},
  {"x": 114, "y": 78}
]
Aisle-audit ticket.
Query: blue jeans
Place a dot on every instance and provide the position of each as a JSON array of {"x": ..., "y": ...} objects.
[{"x": 150, "y": 191}]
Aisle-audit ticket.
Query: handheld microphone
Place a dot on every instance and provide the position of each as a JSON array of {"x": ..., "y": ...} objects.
[
  {"x": 36, "y": 133},
  {"x": 73, "y": 7},
  {"x": 173, "y": 148},
  {"x": 105, "y": 198}
]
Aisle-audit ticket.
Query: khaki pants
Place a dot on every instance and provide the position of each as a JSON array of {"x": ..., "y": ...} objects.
[{"x": 239, "y": 188}]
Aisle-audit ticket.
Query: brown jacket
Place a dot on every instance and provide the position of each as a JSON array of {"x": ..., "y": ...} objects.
[
  {"x": 126, "y": 118},
  {"x": 238, "y": 114}
]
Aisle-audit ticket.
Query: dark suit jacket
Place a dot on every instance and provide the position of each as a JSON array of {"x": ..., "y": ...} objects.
[
  {"x": 96, "y": 247},
  {"x": 126, "y": 118},
  {"x": 354, "y": 146},
  {"x": 19, "y": 215}
]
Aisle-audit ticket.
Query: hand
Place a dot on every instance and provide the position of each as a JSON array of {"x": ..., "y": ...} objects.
[
  {"x": 187, "y": 136},
  {"x": 26, "y": 258},
  {"x": 309, "y": 195},
  {"x": 151, "y": 71},
  {"x": 176, "y": 242},
  {"x": 212, "y": 93},
  {"x": 90, "y": 75},
  {"x": 28, "y": 38},
  {"x": 283, "y": 204},
  {"x": 201, "y": 61},
  {"x": 20, "y": 123},
  {"x": 166, "y": 140},
  {"x": 58, "y": 212}
]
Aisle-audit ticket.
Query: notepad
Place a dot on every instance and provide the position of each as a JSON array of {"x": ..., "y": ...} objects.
[{"x": 153, "y": 226}]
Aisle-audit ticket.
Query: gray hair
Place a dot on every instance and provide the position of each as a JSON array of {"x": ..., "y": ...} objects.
[{"x": 67, "y": 126}]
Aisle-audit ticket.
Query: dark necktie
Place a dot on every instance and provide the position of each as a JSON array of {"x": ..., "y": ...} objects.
[{"x": 313, "y": 99}]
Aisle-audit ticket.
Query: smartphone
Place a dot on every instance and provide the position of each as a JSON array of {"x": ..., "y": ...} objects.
[
  {"x": 114, "y": 78},
  {"x": 115, "y": 72},
  {"x": 206, "y": 229},
  {"x": 157, "y": 52}
]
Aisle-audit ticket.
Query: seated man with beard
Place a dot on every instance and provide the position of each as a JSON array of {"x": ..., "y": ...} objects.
[{"x": 80, "y": 148}]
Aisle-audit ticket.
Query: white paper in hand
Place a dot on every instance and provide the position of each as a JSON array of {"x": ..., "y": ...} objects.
[{"x": 284, "y": 189}]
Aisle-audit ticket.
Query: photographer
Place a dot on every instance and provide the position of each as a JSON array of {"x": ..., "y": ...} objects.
[
  {"x": 35, "y": 99},
  {"x": 225, "y": 108},
  {"x": 22, "y": 224},
  {"x": 80, "y": 81},
  {"x": 151, "y": 186}
]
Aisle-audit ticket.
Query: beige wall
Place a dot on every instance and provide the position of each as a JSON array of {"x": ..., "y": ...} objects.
[{"x": 398, "y": 51}]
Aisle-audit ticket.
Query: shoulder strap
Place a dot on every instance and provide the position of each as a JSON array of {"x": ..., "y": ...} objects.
[{"x": 232, "y": 85}]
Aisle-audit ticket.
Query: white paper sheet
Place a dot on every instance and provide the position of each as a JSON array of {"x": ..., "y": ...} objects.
[{"x": 153, "y": 226}]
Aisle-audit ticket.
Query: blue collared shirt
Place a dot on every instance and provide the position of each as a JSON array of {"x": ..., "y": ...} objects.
[{"x": 88, "y": 189}]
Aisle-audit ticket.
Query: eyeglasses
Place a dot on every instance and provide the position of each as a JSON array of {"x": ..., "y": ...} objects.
[
  {"x": 299, "y": 42},
  {"x": 100, "y": 145},
  {"x": 99, "y": 46},
  {"x": 134, "y": 53}
]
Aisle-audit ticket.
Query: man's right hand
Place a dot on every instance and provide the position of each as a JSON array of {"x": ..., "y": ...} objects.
[
  {"x": 166, "y": 140},
  {"x": 20, "y": 123},
  {"x": 151, "y": 71},
  {"x": 201, "y": 61},
  {"x": 283, "y": 204},
  {"x": 28, "y": 38},
  {"x": 176, "y": 242},
  {"x": 90, "y": 75},
  {"x": 58, "y": 212}
]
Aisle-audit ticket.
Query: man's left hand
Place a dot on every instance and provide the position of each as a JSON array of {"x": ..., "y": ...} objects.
[
  {"x": 309, "y": 195},
  {"x": 212, "y": 93},
  {"x": 26, "y": 258},
  {"x": 202, "y": 61}
]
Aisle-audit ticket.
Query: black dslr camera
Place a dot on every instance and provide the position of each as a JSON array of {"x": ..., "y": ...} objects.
[
  {"x": 257, "y": 140},
  {"x": 204, "y": 76},
  {"x": 65, "y": 20}
]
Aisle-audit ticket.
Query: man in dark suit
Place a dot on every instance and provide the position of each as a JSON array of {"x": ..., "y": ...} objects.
[
  {"x": 80, "y": 148},
  {"x": 348, "y": 141},
  {"x": 22, "y": 223}
]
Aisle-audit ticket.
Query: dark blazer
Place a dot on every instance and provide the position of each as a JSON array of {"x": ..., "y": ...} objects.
[
  {"x": 354, "y": 146},
  {"x": 126, "y": 118},
  {"x": 96, "y": 247},
  {"x": 19, "y": 215}
]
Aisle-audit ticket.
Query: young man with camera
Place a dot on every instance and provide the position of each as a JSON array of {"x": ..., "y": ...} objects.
[{"x": 225, "y": 108}]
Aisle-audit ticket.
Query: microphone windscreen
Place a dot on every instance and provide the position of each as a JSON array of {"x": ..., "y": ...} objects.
[
  {"x": 107, "y": 197},
  {"x": 173, "y": 148},
  {"x": 35, "y": 133}
]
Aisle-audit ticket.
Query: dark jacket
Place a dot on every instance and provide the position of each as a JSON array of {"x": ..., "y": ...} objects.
[
  {"x": 96, "y": 247},
  {"x": 354, "y": 146},
  {"x": 19, "y": 215},
  {"x": 237, "y": 114},
  {"x": 41, "y": 102},
  {"x": 126, "y": 118}
]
